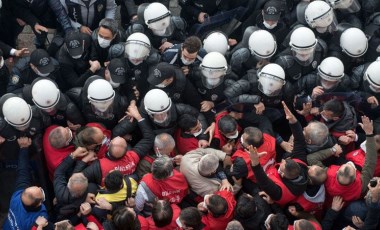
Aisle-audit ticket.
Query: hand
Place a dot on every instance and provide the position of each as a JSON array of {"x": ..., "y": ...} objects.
[
  {"x": 41, "y": 221},
  {"x": 201, "y": 207},
  {"x": 375, "y": 191},
  {"x": 21, "y": 52},
  {"x": 344, "y": 140},
  {"x": 90, "y": 157},
  {"x": 85, "y": 30},
  {"x": 203, "y": 144},
  {"x": 133, "y": 111},
  {"x": 226, "y": 186},
  {"x": 348, "y": 227},
  {"x": 94, "y": 66},
  {"x": 210, "y": 130},
  {"x": 338, "y": 149},
  {"x": 227, "y": 148},
  {"x": 236, "y": 181},
  {"x": 288, "y": 147},
  {"x": 232, "y": 42},
  {"x": 357, "y": 222},
  {"x": 85, "y": 208},
  {"x": 2, "y": 140},
  {"x": 136, "y": 92},
  {"x": 130, "y": 202},
  {"x": 314, "y": 111},
  {"x": 260, "y": 107},
  {"x": 20, "y": 22},
  {"x": 134, "y": 18},
  {"x": 164, "y": 46},
  {"x": 177, "y": 159},
  {"x": 185, "y": 70},
  {"x": 292, "y": 210},
  {"x": 201, "y": 17},
  {"x": 90, "y": 198},
  {"x": 373, "y": 101},
  {"x": 337, "y": 203},
  {"x": 80, "y": 152},
  {"x": 351, "y": 134},
  {"x": 206, "y": 106},
  {"x": 317, "y": 91},
  {"x": 266, "y": 197},
  {"x": 102, "y": 203},
  {"x": 306, "y": 108},
  {"x": 24, "y": 142},
  {"x": 367, "y": 125},
  {"x": 38, "y": 28},
  {"x": 92, "y": 226},
  {"x": 289, "y": 115},
  {"x": 236, "y": 115},
  {"x": 72, "y": 126}
]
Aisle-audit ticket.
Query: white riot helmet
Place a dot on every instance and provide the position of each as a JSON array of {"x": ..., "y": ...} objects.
[
  {"x": 213, "y": 67},
  {"x": 303, "y": 43},
  {"x": 216, "y": 42},
  {"x": 157, "y": 104},
  {"x": 271, "y": 79},
  {"x": 331, "y": 71},
  {"x": 45, "y": 94},
  {"x": 354, "y": 42},
  {"x": 262, "y": 44},
  {"x": 17, "y": 113},
  {"x": 100, "y": 94},
  {"x": 320, "y": 15},
  {"x": 157, "y": 18},
  {"x": 137, "y": 48},
  {"x": 372, "y": 75},
  {"x": 350, "y": 6}
]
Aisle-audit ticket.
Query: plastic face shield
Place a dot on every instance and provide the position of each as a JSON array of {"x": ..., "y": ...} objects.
[
  {"x": 270, "y": 85},
  {"x": 349, "y": 6}
]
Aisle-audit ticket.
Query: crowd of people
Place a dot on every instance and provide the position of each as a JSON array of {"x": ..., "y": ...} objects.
[{"x": 248, "y": 114}]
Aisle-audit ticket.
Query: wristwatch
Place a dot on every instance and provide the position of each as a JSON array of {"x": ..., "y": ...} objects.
[{"x": 333, "y": 149}]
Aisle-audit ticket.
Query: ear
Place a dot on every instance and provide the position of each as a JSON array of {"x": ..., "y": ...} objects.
[{"x": 335, "y": 118}]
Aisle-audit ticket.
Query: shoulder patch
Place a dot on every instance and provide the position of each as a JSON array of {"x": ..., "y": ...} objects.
[{"x": 15, "y": 79}]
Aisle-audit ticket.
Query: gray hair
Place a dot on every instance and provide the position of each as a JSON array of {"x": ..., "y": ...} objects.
[
  {"x": 77, "y": 184},
  {"x": 164, "y": 140},
  {"x": 162, "y": 168},
  {"x": 208, "y": 164},
  {"x": 319, "y": 133},
  {"x": 110, "y": 24},
  {"x": 234, "y": 225}
]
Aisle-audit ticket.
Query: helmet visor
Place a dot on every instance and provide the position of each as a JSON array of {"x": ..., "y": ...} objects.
[
  {"x": 270, "y": 85},
  {"x": 326, "y": 22},
  {"x": 349, "y": 6},
  {"x": 304, "y": 57},
  {"x": 102, "y": 106},
  {"x": 136, "y": 49},
  {"x": 162, "y": 119},
  {"x": 212, "y": 82},
  {"x": 162, "y": 27}
]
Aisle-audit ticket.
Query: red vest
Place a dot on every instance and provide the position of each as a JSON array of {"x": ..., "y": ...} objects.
[
  {"x": 287, "y": 196},
  {"x": 104, "y": 148},
  {"x": 315, "y": 224},
  {"x": 217, "y": 133},
  {"x": 358, "y": 157},
  {"x": 313, "y": 205},
  {"x": 347, "y": 192},
  {"x": 126, "y": 165},
  {"x": 171, "y": 226},
  {"x": 144, "y": 225},
  {"x": 185, "y": 145},
  {"x": 54, "y": 157},
  {"x": 222, "y": 221},
  {"x": 174, "y": 188}
]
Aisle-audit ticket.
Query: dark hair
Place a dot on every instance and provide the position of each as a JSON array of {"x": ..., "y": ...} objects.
[
  {"x": 162, "y": 213},
  {"x": 86, "y": 137},
  {"x": 227, "y": 124},
  {"x": 192, "y": 44},
  {"x": 217, "y": 205},
  {"x": 335, "y": 106},
  {"x": 123, "y": 219},
  {"x": 110, "y": 24},
  {"x": 191, "y": 217},
  {"x": 245, "y": 207},
  {"x": 57, "y": 138},
  {"x": 292, "y": 169},
  {"x": 305, "y": 225},
  {"x": 162, "y": 168},
  {"x": 279, "y": 222},
  {"x": 254, "y": 136},
  {"x": 187, "y": 122},
  {"x": 113, "y": 181},
  {"x": 317, "y": 179}
]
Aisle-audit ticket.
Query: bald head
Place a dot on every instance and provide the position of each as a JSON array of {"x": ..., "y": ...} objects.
[
  {"x": 33, "y": 196},
  {"x": 118, "y": 147}
]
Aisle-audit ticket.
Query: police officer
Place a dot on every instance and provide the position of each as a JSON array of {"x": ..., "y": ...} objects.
[
  {"x": 216, "y": 41},
  {"x": 101, "y": 103},
  {"x": 4, "y": 75},
  {"x": 45, "y": 94},
  {"x": 372, "y": 30},
  {"x": 179, "y": 88},
  {"x": 187, "y": 55},
  {"x": 39, "y": 64},
  {"x": 304, "y": 54},
  {"x": 162, "y": 114},
  {"x": 261, "y": 47},
  {"x": 161, "y": 27},
  {"x": 74, "y": 60}
]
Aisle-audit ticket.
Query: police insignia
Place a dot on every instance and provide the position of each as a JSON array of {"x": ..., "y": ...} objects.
[
  {"x": 176, "y": 96},
  {"x": 15, "y": 79},
  {"x": 100, "y": 7},
  {"x": 314, "y": 64},
  {"x": 214, "y": 97},
  {"x": 378, "y": 49},
  {"x": 157, "y": 73}
]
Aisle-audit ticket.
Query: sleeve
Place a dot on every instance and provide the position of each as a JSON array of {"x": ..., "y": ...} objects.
[
  {"x": 146, "y": 143},
  {"x": 266, "y": 184},
  {"x": 192, "y": 96},
  {"x": 74, "y": 24},
  {"x": 6, "y": 49},
  {"x": 142, "y": 168},
  {"x": 61, "y": 191},
  {"x": 372, "y": 218},
  {"x": 22, "y": 10},
  {"x": 316, "y": 158},
  {"x": 140, "y": 198},
  {"x": 369, "y": 164},
  {"x": 329, "y": 219},
  {"x": 61, "y": 14},
  {"x": 131, "y": 7},
  {"x": 93, "y": 172},
  {"x": 111, "y": 9},
  {"x": 189, "y": 8},
  {"x": 299, "y": 149},
  {"x": 72, "y": 78},
  {"x": 23, "y": 170}
]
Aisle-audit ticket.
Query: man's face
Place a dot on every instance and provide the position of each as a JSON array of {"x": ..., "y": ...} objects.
[
  {"x": 196, "y": 128},
  {"x": 98, "y": 137},
  {"x": 327, "y": 115},
  {"x": 67, "y": 134},
  {"x": 352, "y": 173},
  {"x": 190, "y": 57},
  {"x": 105, "y": 33},
  {"x": 281, "y": 169}
]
